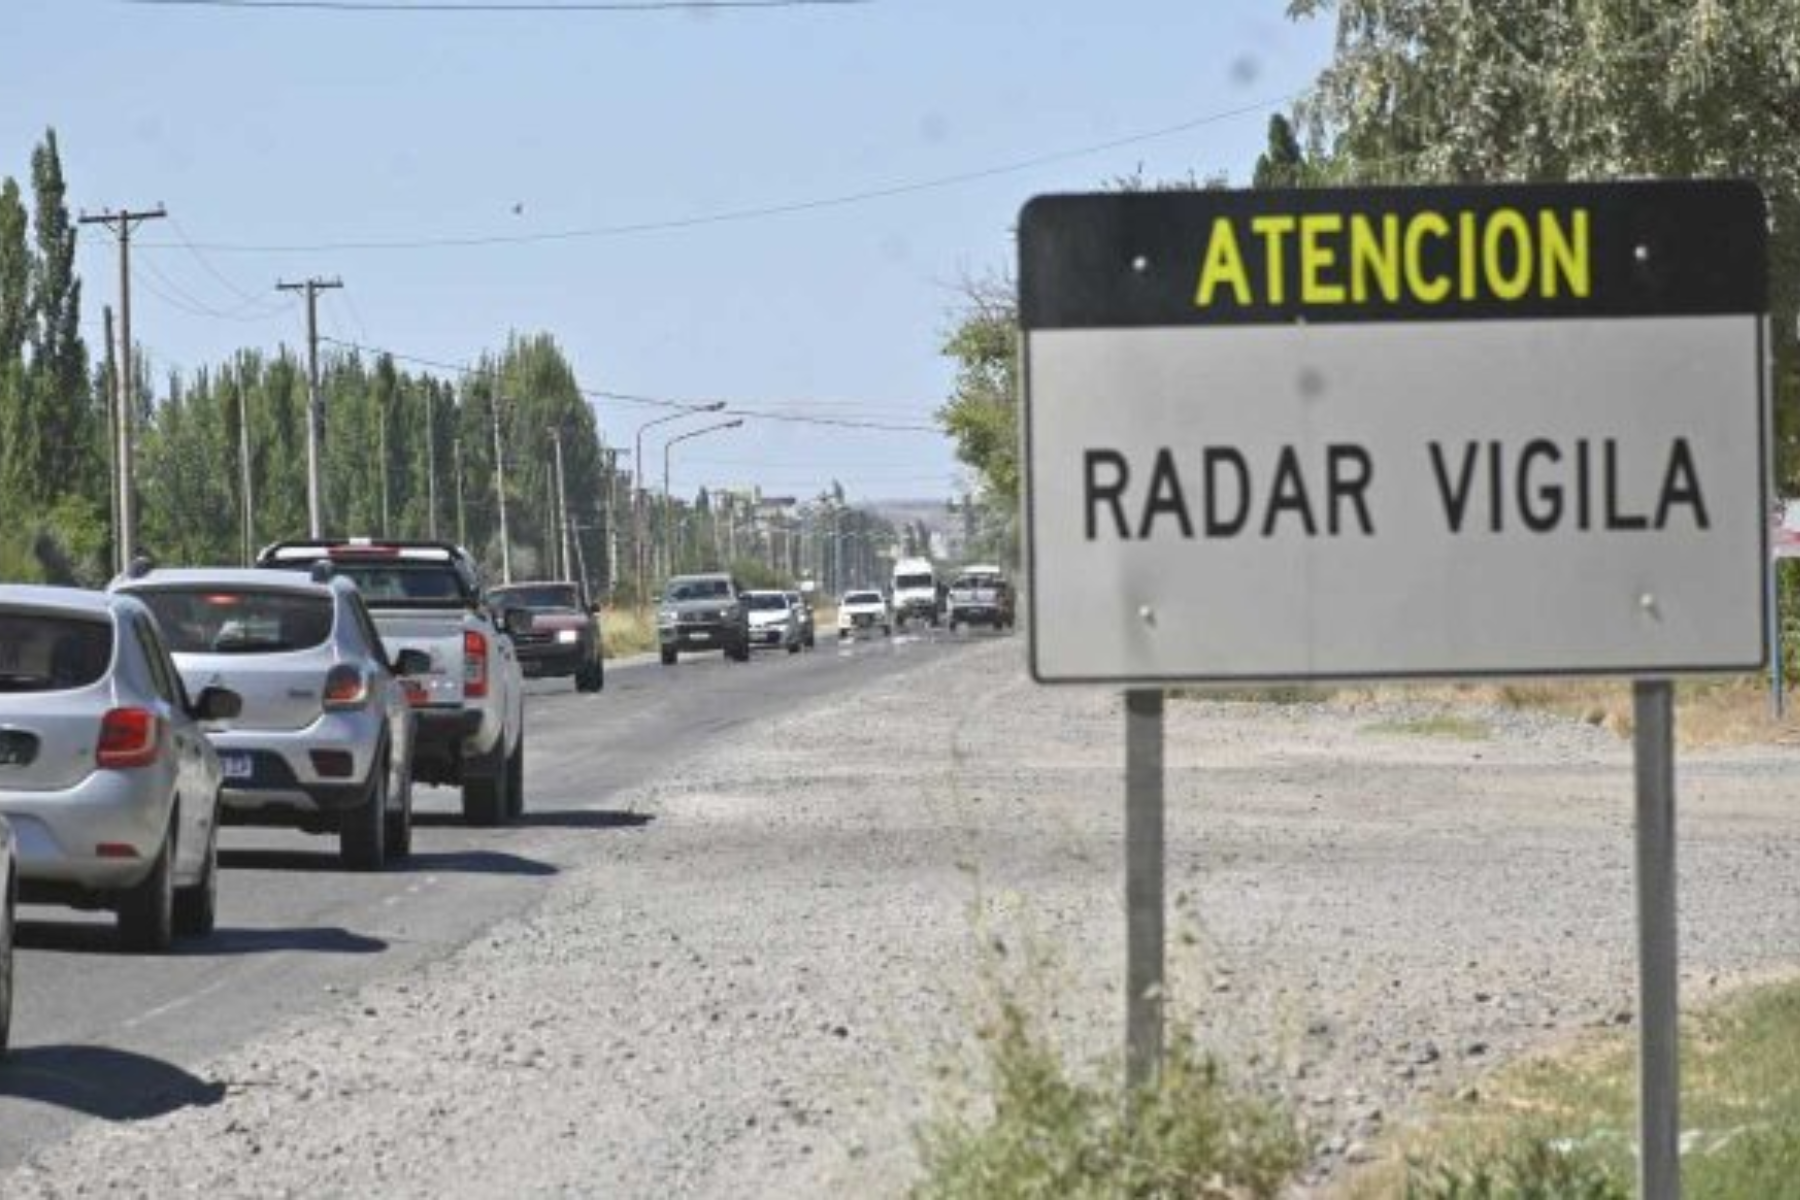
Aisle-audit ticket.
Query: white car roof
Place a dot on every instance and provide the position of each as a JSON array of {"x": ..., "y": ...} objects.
[
  {"x": 297, "y": 580},
  {"x": 66, "y": 599}
]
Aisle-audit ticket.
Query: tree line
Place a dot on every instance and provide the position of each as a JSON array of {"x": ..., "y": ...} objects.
[{"x": 220, "y": 453}]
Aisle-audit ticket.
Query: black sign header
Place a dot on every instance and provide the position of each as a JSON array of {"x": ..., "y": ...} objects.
[{"x": 1659, "y": 248}]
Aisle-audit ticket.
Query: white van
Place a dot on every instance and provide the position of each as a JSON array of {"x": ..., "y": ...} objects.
[{"x": 915, "y": 594}]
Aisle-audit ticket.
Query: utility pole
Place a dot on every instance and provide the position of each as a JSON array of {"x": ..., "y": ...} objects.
[
  {"x": 500, "y": 484},
  {"x": 112, "y": 441},
  {"x": 431, "y": 528},
  {"x": 611, "y": 509},
  {"x": 562, "y": 499},
  {"x": 122, "y": 222},
  {"x": 315, "y": 411},
  {"x": 247, "y": 503},
  {"x": 382, "y": 416},
  {"x": 462, "y": 522}
]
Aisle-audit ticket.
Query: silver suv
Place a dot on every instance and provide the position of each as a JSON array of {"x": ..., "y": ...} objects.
[
  {"x": 325, "y": 738},
  {"x": 106, "y": 775},
  {"x": 703, "y": 612}
]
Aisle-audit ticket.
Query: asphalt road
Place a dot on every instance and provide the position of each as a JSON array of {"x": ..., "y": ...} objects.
[{"x": 103, "y": 1036}]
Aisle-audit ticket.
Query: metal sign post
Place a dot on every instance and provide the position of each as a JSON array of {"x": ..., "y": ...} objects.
[
  {"x": 1659, "y": 1086},
  {"x": 1143, "y": 886}
]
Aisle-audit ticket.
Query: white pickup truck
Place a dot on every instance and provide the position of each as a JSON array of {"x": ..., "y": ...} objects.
[{"x": 470, "y": 707}]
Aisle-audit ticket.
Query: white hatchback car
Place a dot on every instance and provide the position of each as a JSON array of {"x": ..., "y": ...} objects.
[
  {"x": 106, "y": 776},
  {"x": 773, "y": 621},
  {"x": 325, "y": 738}
]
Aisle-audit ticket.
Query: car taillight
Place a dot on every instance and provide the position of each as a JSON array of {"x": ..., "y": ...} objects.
[
  {"x": 345, "y": 687},
  {"x": 475, "y": 653},
  {"x": 129, "y": 737}
]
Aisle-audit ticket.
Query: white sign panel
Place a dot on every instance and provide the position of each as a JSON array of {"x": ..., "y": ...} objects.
[{"x": 1484, "y": 491}]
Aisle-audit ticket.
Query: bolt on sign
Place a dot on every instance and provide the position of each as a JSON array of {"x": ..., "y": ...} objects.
[{"x": 1410, "y": 432}]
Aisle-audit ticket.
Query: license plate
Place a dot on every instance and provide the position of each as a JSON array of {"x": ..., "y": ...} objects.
[
  {"x": 700, "y": 635},
  {"x": 236, "y": 766}
]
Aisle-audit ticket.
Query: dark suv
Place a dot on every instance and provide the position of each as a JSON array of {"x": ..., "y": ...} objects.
[
  {"x": 565, "y": 631},
  {"x": 703, "y": 612}
]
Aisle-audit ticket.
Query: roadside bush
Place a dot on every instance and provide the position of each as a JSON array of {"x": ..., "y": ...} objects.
[
  {"x": 1044, "y": 1133},
  {"x": 1535, "y": 1169}
]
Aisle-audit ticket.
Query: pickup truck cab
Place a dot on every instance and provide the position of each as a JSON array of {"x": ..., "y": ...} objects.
[
  {"x": 470, "y": 704},
  {"x": 980, "y": 596}
]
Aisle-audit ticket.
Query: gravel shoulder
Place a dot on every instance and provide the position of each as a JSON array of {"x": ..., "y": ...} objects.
[{"x": 765, "y": 988}]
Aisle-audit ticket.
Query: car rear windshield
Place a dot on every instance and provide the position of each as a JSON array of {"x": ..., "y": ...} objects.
[
  {"x": 390, "y": 584},
  {"x": 698, "y": 589},
  {"x": 546, "y": 596},
  {"x": 205, "y": 620},
  {"x": 766, "y": 601},
  {"x": 912, "y": 581},
  {"x": 40, "y": 652},
  {"x": 863, "y": 598}
]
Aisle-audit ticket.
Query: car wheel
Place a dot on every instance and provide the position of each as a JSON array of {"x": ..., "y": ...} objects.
[
  {"x": 399, "y": 822},
  {"x": 590, "y": 677},
  {"x": 6, "y": 969},
  {"x": 515, "y": 781},
  {"x": 794, "y": 646},
  {"x": 197, "y": 906},
  {"x": 362, "y": 840},
  {"x": 147, "y": 909},
  {"x": 887, "y": 631},
  {"x": 669, "y": 656},
  {"x": 740, "y": 652},
  {"x": 484, "y": 801}
]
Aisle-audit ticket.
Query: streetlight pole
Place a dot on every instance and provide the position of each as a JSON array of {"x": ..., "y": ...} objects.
[
  {"x": 638, "y": 489},
  {"x": 667, "y": 446}
]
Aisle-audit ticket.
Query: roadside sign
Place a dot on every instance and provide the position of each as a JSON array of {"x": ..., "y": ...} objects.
[{"x": 1394, "y": 432}]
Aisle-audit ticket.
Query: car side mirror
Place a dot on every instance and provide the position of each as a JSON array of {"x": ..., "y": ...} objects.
[
  {"x": 594, "y": 608},
  {"x": 516, "y": 621},
  {"x": 217, "y": 704},
  {"x": 410, "y": 662}
]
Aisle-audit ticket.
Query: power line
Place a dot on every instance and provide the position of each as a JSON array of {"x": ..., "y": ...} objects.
[
  {"x": 247, "y": 297},
  {"x": 732, "y": 215},
  {"x": 394, "y": 6},
  {"x": 732, "y": 408}
]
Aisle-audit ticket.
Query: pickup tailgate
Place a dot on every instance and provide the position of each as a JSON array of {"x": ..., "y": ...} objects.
[{"x": 439, "y": 634}]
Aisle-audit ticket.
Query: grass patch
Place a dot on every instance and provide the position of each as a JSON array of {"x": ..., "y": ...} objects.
[
  {"x": 626, "y": 631},
  {"x": 1567, "y": 1125},
  {"x": 1451, "y": 726},
  {"x": 1043, "y": 1132}
]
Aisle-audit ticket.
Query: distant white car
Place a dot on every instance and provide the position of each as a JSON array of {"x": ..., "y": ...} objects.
[
  {"x": 864, "y": 612},
  {"x": 9, "y": 897},
  {"x": 325, "y": 739},
  {"x": 106, "y": 775},
  {"x": 772, "y": 621}
]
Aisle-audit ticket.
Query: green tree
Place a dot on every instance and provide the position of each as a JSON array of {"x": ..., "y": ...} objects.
[
  {"x": 59, "y": 357},
  {"x": 1283, "y": 163},
  {"x": 15, "y": 275},
  {"x": 1571, "y": 90}
]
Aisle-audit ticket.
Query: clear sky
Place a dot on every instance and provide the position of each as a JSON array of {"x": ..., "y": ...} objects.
[{"x": 325, "y": 132}]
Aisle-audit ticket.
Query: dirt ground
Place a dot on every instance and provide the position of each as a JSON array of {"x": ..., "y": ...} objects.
[{"x": 763, "y": 990}]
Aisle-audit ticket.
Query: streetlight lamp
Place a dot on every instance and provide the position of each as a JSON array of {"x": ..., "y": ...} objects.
[
  {"x": 682, "y": 437},
  {"x": 637, "y": 492}
]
